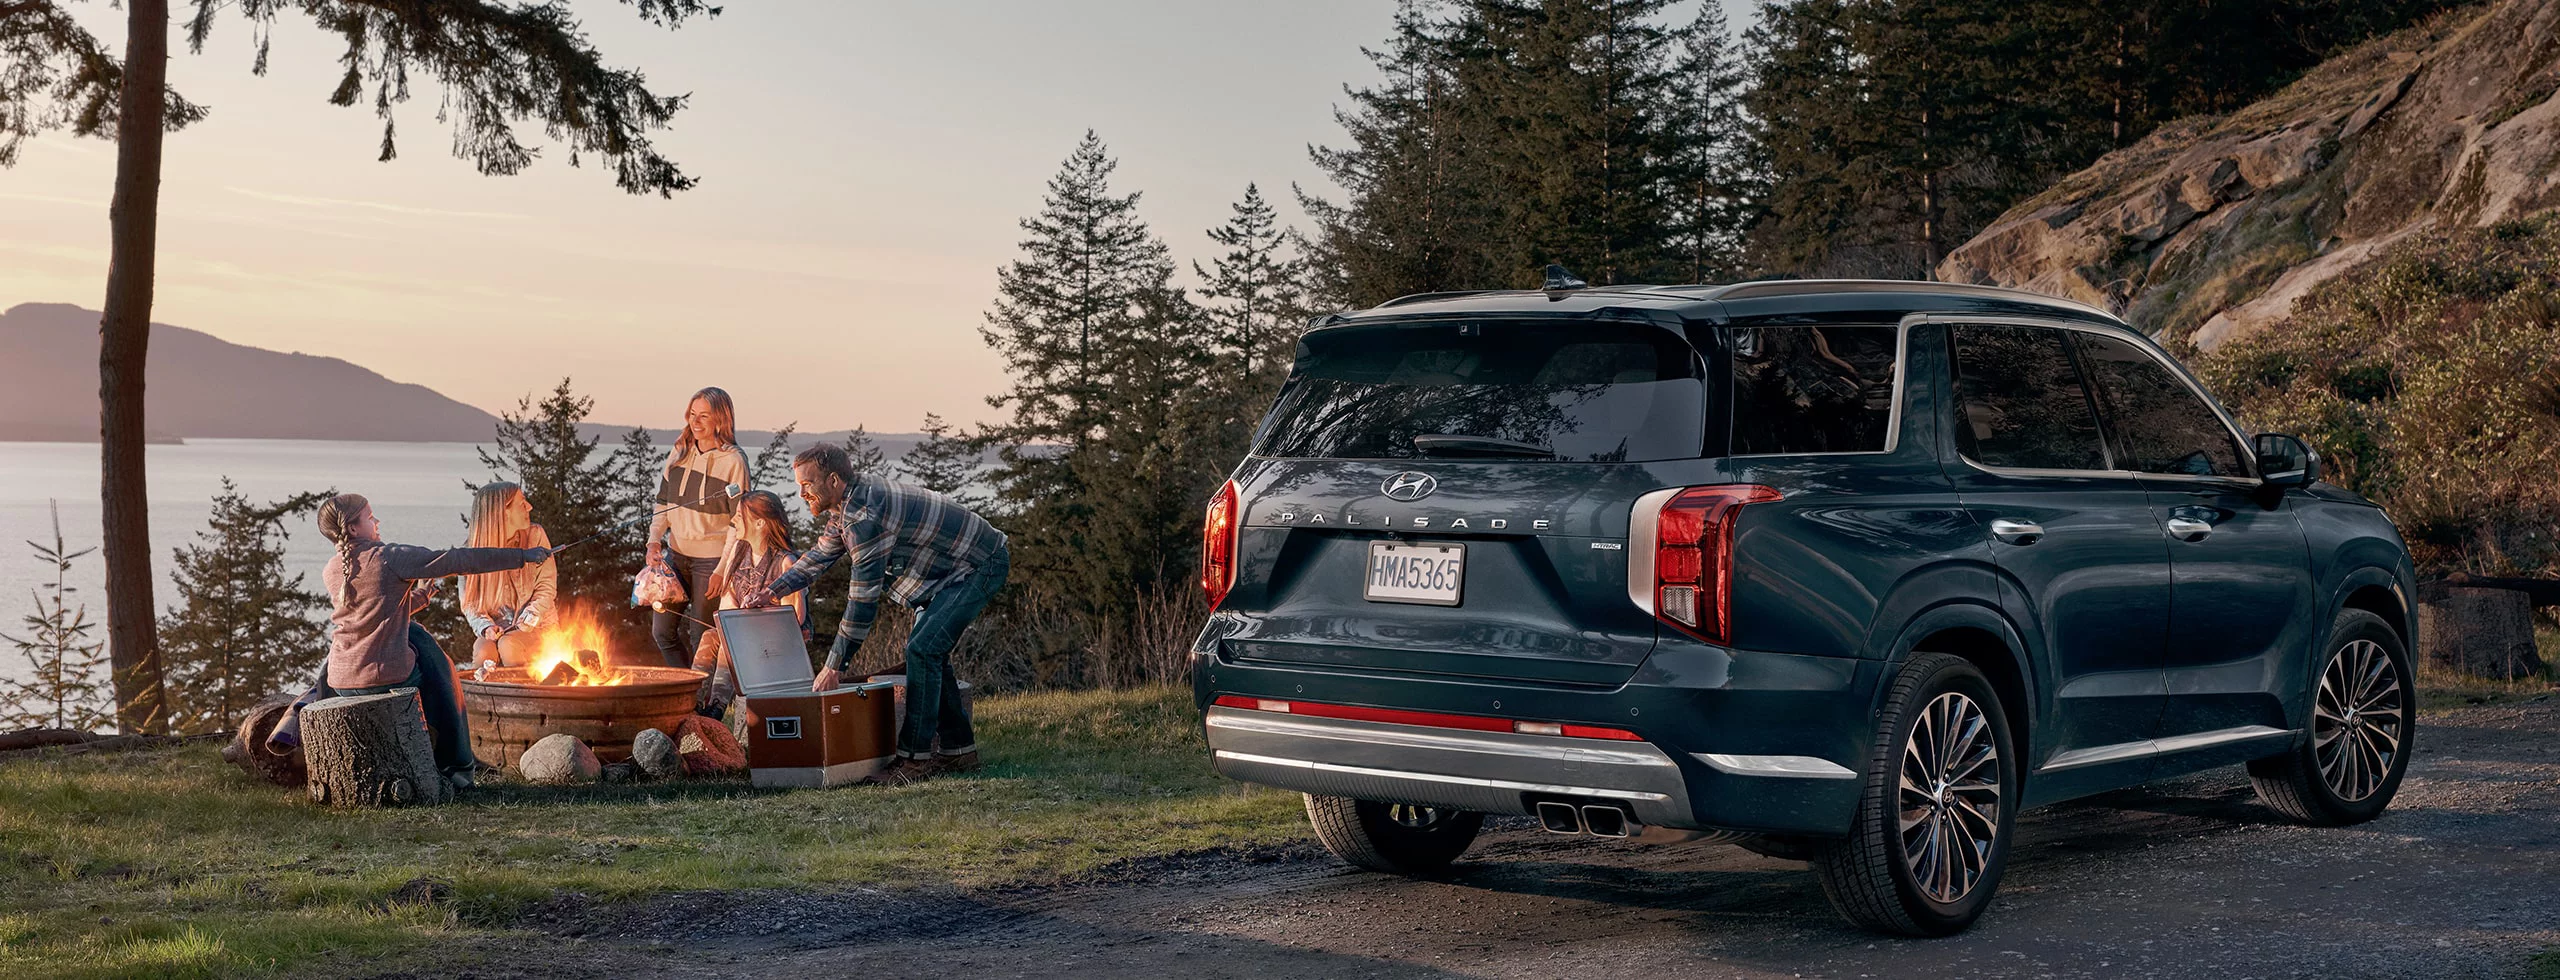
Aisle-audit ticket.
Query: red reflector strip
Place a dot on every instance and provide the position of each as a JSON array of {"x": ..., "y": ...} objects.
[{"x": 1427, "y": 719}]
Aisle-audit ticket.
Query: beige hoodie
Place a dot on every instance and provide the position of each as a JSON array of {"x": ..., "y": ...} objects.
[{"x": 700, "y": 521}]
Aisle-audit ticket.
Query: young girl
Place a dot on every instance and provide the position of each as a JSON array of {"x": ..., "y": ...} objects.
[
  {"x": 758, "y": 551},
  {"x": 686, "y": 538},
  {"x": 373, "y": 647},
  {"x": 504, "y": 608}
]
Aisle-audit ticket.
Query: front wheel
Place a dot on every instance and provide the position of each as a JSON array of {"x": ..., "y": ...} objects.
[
  {"x": 2362, "y": 718},
  {"x": 1932, "y": 830},
  {"x": 1397, "y": 838}
]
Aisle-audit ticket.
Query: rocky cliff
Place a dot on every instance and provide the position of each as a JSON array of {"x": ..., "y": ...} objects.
[{"x": 2211, "y": 228}]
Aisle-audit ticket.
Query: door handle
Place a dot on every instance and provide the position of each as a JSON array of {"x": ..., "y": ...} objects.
[
  {"x": 2017, "y": 532},
  {"x": 2189, "y": 529}
]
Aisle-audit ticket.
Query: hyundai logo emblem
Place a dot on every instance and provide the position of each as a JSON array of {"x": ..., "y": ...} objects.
[{"x": 1410, "y": 486}]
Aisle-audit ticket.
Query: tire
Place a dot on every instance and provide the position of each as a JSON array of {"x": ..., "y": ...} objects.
[
  {"x": 2350, "y": 763},
  {"x": 1937, "y": 877},
  {"x": 1397, "y": 838}
]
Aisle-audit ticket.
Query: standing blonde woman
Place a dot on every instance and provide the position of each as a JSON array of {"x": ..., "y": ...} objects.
[
  {"x": 505, "y": 608},
  {"x": 693, "y": 519}
]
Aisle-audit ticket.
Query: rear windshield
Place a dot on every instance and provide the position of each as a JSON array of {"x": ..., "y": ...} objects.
[{"x": 1570, "y": 391}]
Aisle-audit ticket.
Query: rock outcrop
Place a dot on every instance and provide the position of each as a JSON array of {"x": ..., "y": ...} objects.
[{"x": 2211, "y": 228}]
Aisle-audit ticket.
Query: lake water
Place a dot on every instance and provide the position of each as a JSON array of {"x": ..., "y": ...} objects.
[{"x": 416, "y": 489}]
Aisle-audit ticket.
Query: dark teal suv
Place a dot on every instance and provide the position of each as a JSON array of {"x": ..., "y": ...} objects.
[{"x": 1848, "y": 572}]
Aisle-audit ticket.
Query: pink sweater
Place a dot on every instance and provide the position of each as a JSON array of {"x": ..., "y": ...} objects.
[{"x": 368, "y": 631}]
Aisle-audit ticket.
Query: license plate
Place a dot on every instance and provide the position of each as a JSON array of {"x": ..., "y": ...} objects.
[{"x": 1425, "y": 573}]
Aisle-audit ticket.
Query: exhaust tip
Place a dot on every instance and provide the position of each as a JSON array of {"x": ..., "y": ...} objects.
[
  {"x": 1559, "y": 818},
  {"x": 1605, "y": 821}
]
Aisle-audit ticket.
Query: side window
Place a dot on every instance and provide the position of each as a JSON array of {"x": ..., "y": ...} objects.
[
  {"x": 2020, "y": 402},
  {"x": 2159, "y": 421},
  {"x": 1813, "y": 389}
]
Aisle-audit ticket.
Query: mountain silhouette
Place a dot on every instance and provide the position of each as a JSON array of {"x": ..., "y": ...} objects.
[{"x": 201, "y": 386}]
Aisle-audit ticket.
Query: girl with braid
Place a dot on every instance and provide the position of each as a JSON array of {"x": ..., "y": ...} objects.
[{"x": 373, "y": 647}]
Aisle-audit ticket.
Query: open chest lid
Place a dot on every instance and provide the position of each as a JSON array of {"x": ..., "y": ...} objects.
[{"x": 766, "y": 650}]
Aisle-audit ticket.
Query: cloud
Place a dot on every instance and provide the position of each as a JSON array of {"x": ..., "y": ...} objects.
[{"x": 403, "y": 209}]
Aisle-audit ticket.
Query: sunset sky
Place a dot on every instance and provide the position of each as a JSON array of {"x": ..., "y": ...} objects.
[{"x": 863, "y": 166}]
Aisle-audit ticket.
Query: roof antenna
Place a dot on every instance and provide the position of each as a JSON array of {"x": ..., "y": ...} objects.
[{"x": 1560, "y": 282}]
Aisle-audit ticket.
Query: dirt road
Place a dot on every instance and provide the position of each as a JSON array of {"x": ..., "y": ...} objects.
[{"x": 2186, "y": 879}]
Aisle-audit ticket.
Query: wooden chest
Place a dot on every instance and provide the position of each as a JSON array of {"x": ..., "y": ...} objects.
[{"x": 794, "y": 737}]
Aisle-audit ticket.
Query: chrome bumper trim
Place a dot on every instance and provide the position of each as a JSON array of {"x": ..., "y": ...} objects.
[
  {"x": 1501, "y": 784},
  {"x": 1782, "y": 766}
]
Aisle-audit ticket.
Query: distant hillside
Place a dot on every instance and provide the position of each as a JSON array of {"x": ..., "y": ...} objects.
[
  {"x": 2210, "y": 229},
  {"x": 203, "y": 387}
]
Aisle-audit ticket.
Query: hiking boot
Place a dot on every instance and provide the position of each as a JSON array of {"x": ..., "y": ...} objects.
[
  {"x": 903, "y": 772},
  {"x": 961, "y": 762}
]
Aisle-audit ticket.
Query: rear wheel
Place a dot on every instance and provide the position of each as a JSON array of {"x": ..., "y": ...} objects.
[
  {"x": 1398, "y": 838},
  {"x": 1932, "y": 829},
  {"x": 2362, "y": 718}
]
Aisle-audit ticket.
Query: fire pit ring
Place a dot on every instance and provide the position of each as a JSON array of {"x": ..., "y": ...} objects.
[{"x": 508, "y": 712}]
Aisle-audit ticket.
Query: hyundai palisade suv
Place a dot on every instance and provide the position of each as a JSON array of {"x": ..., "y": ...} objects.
[{"x": 1846, "y": 572}]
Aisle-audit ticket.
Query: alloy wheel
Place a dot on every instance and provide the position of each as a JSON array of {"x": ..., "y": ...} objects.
[
  {"x": 2359, "y": 720},
  {"x": 1949, "y": 798},
  {"x": 1412, "y": 816}
]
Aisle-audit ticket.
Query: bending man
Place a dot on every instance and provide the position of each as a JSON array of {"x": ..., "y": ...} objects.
[{"x": 954, "y": 561}]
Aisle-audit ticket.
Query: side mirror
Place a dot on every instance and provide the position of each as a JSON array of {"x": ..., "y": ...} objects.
[{"x": 2286, "y": 462}]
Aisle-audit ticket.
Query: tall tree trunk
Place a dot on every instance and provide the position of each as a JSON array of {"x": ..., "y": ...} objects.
[{"x": 124, "y": 336}]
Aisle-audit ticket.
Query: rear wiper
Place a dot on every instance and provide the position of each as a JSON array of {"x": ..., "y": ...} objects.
[{"x": 1445, "y": 444}]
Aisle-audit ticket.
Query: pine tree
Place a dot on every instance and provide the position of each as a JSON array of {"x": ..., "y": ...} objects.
[
  {"x": 1714, "y": 183},
  {"x": 243, "y": 628},
  {"x": 868, "y": 458},
  {"x": 771, "y": 467},
  {"x": 61, "y": 76},
  {"x": 577, "y": 491},
  {"x": 944, "y": 461},
  {"x": 66, "y": 684},
  {"x": 1253, "y": 296},
  {"x": 1088, "y": 266}
]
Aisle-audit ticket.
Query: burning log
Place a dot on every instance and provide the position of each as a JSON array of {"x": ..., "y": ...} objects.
[
  {"x": 561, "y": 674},
  {"x": 371, "y": 751}
]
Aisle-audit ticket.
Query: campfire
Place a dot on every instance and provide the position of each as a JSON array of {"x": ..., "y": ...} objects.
[
  {"x": 573, "y": 654},
  {"x": 573, "y": 685}
]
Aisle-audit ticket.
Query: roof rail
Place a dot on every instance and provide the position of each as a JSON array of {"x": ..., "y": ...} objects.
[
  {"x": 1428, "y": 297},
  {"x": 1799, "y": 287}
]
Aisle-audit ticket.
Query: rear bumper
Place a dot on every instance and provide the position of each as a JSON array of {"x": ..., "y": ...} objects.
[
  {"x": 1488, "y": 772},
  {"x": 1732, "y": 740}
]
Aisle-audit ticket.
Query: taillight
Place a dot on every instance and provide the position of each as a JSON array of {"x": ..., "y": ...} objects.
[
  {"x": 1680, "y": 556},
  {"x": 1218, "y": 545}
]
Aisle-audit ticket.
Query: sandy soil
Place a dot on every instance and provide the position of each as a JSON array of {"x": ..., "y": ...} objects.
[{"x": 2184, "y": 879}]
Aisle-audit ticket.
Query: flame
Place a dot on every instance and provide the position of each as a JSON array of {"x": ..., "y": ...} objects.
[{"x": 572, "y": 629}]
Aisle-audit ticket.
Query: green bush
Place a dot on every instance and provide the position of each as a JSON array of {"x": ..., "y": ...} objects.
[{"x": 2429, "y": 379}]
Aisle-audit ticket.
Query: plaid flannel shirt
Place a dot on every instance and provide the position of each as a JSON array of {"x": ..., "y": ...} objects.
[{"x": 925, "y": 539}]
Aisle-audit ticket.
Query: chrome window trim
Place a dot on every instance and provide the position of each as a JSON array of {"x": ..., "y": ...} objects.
[
  {"x": 1782, "y": 766},
  {"x": 2149, "y": 747},
  {"x": 2248, "y": 447},
  {"x": 1427, "y": 777},
  {"x": 1893, "y": 412}
]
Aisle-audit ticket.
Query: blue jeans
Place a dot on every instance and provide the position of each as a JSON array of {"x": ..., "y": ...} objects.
[
  {"x": 933, "y": 692},
  {"x": 437, "y": 697}
]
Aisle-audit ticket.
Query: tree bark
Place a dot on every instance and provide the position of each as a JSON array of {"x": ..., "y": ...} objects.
[
  {"x": 2477, "y": 632},
  {"x": 124, "y": 336},
  {"x": 248, "y": 748},
  {"x": 371, "y": 751}
]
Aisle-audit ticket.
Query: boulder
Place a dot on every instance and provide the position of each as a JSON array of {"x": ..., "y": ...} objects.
[
  {"x": 559, "y": 759},
  {"x": 655, "y": 753},
  {"x": 708, "y": 749},
  {"x": 2209, "y": 229}
]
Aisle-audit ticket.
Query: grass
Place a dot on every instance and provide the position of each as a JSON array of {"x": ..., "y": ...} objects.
[
  {"x": 2544, "y": 965},
  {"x": 172, "y": 863}
]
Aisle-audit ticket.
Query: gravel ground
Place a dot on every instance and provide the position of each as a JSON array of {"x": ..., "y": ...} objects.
[{"x": 2190, "y": 878}]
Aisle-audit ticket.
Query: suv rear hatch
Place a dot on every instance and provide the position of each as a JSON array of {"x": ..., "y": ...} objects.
[{"x": 1450, "y": 497}]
